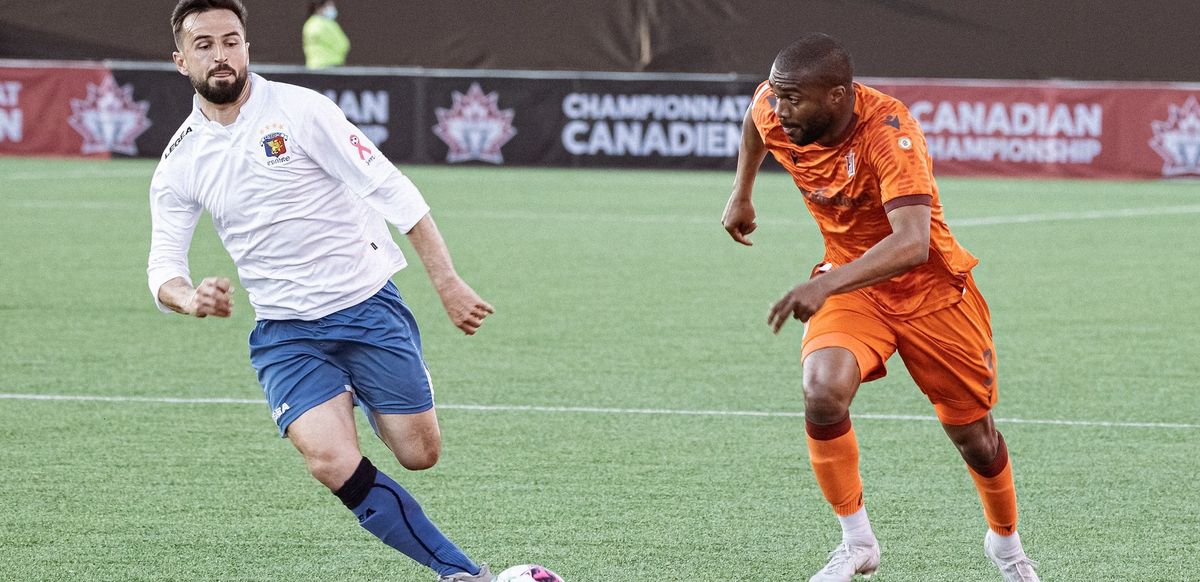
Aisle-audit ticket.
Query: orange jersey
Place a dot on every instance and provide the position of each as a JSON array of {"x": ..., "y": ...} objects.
[{"x": 850, "y": 187}]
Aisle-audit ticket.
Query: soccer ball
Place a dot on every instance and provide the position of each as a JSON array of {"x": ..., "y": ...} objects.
[{"x": 528, "y": 573}]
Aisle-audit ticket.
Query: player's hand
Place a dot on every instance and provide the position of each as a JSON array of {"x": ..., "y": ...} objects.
[
  {"x": 739, "y": 219},
  {"x": 800, "y": 303},
  {"x": 214, "y": 296},
  {"x": 465, "y": 307}
]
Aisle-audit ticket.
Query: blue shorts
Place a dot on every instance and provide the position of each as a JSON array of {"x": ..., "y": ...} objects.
[{"x": 372, "y": 349}]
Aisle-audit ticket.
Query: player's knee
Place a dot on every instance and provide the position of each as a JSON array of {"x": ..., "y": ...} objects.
[
  {"x": 332, "y": 469},
  {"x": 977, "y": 448},
  {"x": 827, "y": 396},
  {"x": 978, "y": 453},
  {"x": 421, "y": 457},
  {"x": 420, "y": 450},
  {"x": 825, "y": 410}
]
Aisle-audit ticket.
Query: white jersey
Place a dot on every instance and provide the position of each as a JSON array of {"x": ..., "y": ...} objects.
[{"x": 298, "y": 196}]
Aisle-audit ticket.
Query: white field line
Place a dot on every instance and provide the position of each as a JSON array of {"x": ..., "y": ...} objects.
[
  {"x": 603, "y": 410},
  {"x": 79, "y": 174},
  {"x": 593, "y": 217},
  {"x": 715, "y": 221},
  {"x": 79, "y": 204},
  {"x": 1083, "y": 215}
]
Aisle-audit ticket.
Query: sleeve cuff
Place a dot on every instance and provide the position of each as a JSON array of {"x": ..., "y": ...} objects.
[
  {"x": 406, "y": 227},
  {"x": 157, "y": 280},
  {"x": 909, "y": 200}
]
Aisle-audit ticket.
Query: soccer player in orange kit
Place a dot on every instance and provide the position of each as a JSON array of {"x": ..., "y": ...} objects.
[{"x": 893, "y": 279}]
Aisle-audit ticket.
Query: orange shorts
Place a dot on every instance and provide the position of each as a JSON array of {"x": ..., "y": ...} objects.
[{"x": 949, "y": 352}]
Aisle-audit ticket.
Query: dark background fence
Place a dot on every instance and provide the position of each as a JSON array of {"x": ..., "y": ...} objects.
[{"x": 1019, "y": 39}]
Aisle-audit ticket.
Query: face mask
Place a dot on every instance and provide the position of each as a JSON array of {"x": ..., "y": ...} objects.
[{"x": 329, "y": 12}]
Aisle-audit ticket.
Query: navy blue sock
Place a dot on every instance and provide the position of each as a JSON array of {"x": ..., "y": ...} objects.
[{"x": 385, "y": 509}]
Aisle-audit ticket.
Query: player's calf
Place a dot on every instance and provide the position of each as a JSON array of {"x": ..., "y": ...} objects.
[{"x": 389, "y": 512}]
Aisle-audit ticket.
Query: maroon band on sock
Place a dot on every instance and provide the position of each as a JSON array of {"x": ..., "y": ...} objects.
[
  {"x": 999, "y": 463},
  {"x": 827, "y": 432}
]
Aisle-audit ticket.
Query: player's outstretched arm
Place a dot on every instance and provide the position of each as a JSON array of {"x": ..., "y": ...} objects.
[
  {"x": 465, "y": 307},
  {"x": 214, "y": 296},
  {"x": 738, "y": 219}
]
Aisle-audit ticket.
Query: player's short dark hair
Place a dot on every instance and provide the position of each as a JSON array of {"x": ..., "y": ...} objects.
[
  {"x": 819, "y": 59},
  {"x": 186, "y": 8}
]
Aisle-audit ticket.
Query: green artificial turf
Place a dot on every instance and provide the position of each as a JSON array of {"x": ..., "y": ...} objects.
[{"x": 633, "y": 328}]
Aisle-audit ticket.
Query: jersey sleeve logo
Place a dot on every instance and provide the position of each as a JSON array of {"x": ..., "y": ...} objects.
[
  {"x": 905, "y": 143},
  {"x": 178, "y": 140},
  {"x": 364, "y": 152},
  {"x": 893, "y": 121}
]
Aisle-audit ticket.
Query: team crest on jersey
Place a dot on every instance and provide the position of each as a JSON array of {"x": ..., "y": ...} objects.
[
  {"x": 1177, "y": 140},
  {"x": 275, "y": 144},
  {"x": 474, "y": 127},
  {"x": 109, "y": 119}
]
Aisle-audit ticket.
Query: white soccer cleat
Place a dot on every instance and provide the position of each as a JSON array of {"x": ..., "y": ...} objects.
[
  {"x": 1019, "y": 569},
  {"x": 846, "y": 560}
]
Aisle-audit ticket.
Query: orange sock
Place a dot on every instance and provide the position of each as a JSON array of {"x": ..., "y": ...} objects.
[
  {"x": 833, "y": 451},
  {"x": 997, "y": 491}
]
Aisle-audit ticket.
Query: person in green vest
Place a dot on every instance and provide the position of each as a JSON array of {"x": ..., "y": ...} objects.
[{"x": 325, "y": 45}]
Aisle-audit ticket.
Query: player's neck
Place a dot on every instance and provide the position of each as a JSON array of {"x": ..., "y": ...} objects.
[{"x": 225, "y": 113}]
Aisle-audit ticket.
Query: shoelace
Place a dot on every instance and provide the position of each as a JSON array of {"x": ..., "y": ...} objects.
[
  {"x": 1015, "y": 568},
  {"x": 840, "y": 556}
]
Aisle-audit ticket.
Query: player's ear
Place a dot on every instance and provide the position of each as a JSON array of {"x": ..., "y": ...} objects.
[
  {"x": 837, "y": 94},
  {"x": 180, "y": 64}
]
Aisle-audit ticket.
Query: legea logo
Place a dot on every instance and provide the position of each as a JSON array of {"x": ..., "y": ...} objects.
[
  {"x": 109, "y": 119},
  {"x": 1177, "y": 139},
  {"x": 474, "y": 126}
]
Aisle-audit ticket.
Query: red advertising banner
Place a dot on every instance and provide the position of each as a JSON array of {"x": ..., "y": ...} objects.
[
  {"x": 67, "y": 111},
  {"x": 1056, "y": 129}
]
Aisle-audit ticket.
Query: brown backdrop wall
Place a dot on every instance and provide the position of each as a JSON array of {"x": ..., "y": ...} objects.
[{"x": 1023, "y": 39}]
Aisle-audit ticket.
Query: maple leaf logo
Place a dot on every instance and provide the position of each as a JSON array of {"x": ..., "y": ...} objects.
[
  {"x": 109, "y": 119},
  {"x": 474, "y": 127},
  {"x": 1177, "y": 139}
]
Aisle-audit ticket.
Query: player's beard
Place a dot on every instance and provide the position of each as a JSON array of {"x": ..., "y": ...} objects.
[
  {"x": 224, "y": 91},
  {"x": 815, "y": 129}
]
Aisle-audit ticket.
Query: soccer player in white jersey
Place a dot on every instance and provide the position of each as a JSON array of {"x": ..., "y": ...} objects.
[{"x": 299, "y": 197}]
